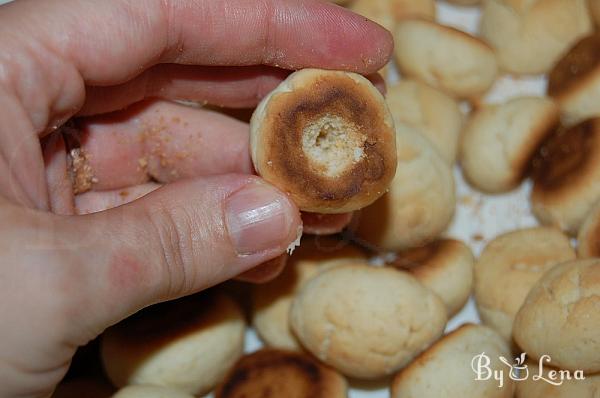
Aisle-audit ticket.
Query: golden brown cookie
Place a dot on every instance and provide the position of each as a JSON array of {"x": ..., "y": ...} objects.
[
  {"x": 530, "y": 36},
  {"x": 277, "y": 373},
  {"x": 187, "y": 344},
  {"x": 560, "y": 317},
  {"x": 499, "y": 141},
  {"x": 445, "y": 369},
  {"x": 444, "y": 57},
  {"x": 566, "y": 174},
  {"x": 508, "y": 268},
  {"x": 430, "y": 111},
  {"x": 444, "y": 266},
  {"x": 327, "y": 139},
  {"x": 367, "y": 322},
  {"x": 271, "y": 302},
  {"x": 575, "y": 81},
  {"x": 544, "y": 388},
  {"x": 420, "y": 203}
]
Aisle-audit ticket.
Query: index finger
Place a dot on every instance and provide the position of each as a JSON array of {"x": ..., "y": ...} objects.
[{"x": 109, "y": 42}]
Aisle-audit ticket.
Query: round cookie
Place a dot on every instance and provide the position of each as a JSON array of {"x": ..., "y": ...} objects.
[
  {"x": 187, "y": 344},
  {"x": 327, "y": 139},
  {"x": 530, "y": 36},
  {"x": 402, "y": 9},
  {"x": 572, "y": 388},
  {"x": 445, "y": 369},
  {"x": 387, "y": 12},
  {"x": 508, "y": 268},
  {"x": 575, "y": 81},
  {"x": 148, "y": 391},
  {"x": 499, "y": 141},
  {"x": 367, "y": 322},
  {"x": 588, "y": 239},
  {"x": 378, "y": 11},
  {"x": 276, "y": 373},
  {"x": 444, "y": 266},
  {"x": 560, "y": 317},
  {"x": 464, "y": 2},
  {"x": 566, "y": 174},
  {"x": 444, "y": 57},
  {"x": 432, "y": 112},
  {"x": 421, "y": 200},
  {"x": 271, "y": 302}
]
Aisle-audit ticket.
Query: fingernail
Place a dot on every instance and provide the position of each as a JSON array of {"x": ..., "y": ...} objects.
[{"x": 259, "y": 218}]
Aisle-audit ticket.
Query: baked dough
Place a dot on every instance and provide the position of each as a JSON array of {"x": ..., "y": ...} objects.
[
  {"x": 367, "y": 322},
  {"x": 530, "y": 36},
  {"x": 444, "y": 370},
  {"x": 388, "y": 12},
  {"x": 430, "y": 111},
  {"x": 444, "y": 57},
  {"x": 566, "y": 173},
  {"x": 276, "y": 373},
  {"x": 271, "y": 302},
  {"x": 327, "y": 139},
  {"x": 508, "y": 268},
  {"x": 575, "y": 81},
  {"x": 589, "y": 235},
  {"x": 420, "y": 202},
  {"x": 560, "y": 317},
  {"x": 187, "y": 344},
  {"x": 444, "y": 266},
  {"x": 499, "y": 141},
  {"x": 149, "y": 391},
  {"x": 530, "y": 388}
]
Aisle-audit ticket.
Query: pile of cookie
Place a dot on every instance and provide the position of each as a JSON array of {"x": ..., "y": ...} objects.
[{"x": 374, "y": 302}]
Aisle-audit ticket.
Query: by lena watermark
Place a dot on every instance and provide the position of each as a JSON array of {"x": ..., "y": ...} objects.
[{"x": 519, "y": 371}]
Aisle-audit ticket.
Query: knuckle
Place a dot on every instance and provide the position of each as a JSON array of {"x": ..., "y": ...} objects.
[{"x": 173, "y": 230}]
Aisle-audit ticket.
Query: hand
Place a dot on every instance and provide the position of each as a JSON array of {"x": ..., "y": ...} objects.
[{"x": 64, "y": 277}]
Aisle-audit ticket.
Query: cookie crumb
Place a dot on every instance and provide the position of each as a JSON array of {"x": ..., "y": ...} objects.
[{"x": 80, "y": 171}]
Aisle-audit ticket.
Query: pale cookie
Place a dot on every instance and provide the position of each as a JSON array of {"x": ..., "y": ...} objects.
[
  {"x": 432, "y": 112},
  {"x": 464, "y": 2},
  {"x": 276, "y": 373},
  {"x": 444, "y": 57},
  {"x": 327, "y": 139},
  {"x": 566, "y": 174},
  {"x": 508, "y": 268},
  {"x": 446, "y": 368},
  {"x": 444, "y": 266},
  {"x": 530, "y": 36},
  {"x": 367, "y": 322},
  {"x": 554, "y": 383},
  {"x": 149, "y": 391},
  {"x": 560, "y": 317},
  {"x": 574, "y": 82},
  {"x": 271, "y": 302},
  {"x": 420, "y": 203},
  {"x": 499, "y": 141},
  {"x": 188, "y": 344}
]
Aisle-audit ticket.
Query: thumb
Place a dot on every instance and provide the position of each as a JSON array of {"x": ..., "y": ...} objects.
[{"x": 179, "y": 239}]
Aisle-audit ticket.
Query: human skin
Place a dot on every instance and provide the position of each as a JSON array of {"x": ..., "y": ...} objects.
[{"x": 65, "y": 275}]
